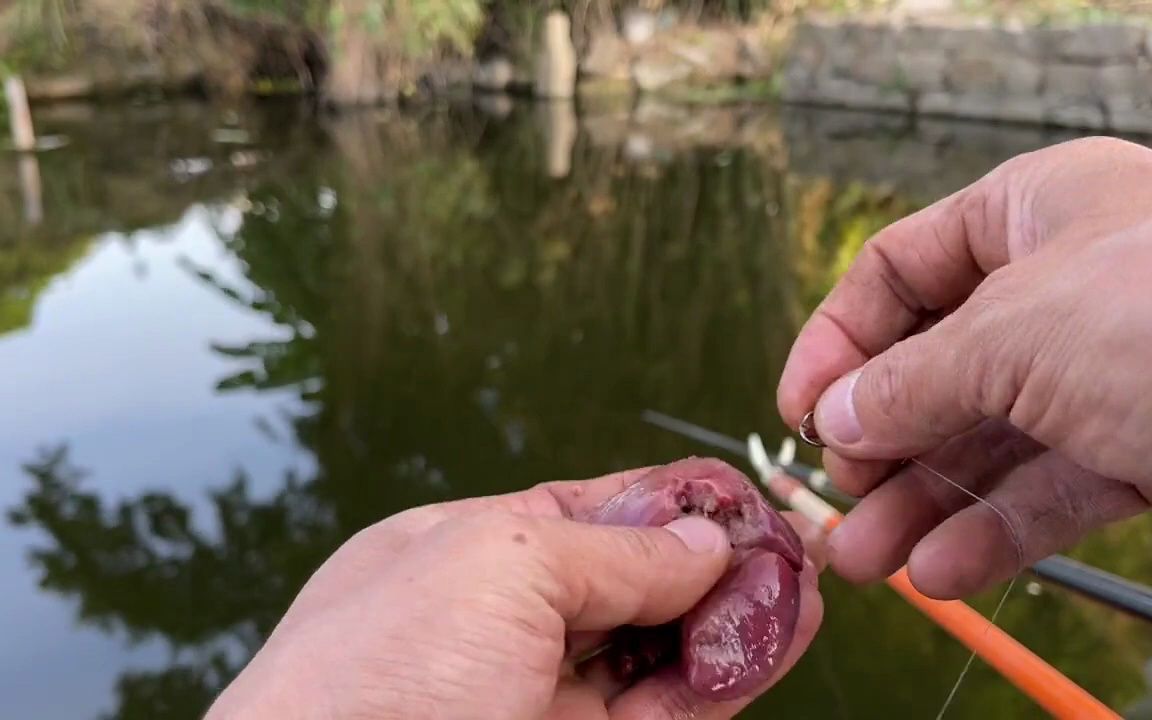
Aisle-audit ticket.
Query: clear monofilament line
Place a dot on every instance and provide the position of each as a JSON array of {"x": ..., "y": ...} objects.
[
  {"x": 1008, "y": 526},
  {"x": 972, "y": 657},
  {"x": 1007, "y": 591}
]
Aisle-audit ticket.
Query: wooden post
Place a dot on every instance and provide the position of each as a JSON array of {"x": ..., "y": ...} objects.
[
  {"x": 19, "y": 116},
  {"x": 559, "y": 120},
  {"x": 30, "y": 189},
  {"x": 556, "y": 59}
]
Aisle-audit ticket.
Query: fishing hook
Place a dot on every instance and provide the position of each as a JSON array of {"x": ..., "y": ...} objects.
[{"x": 808, "y": 432}]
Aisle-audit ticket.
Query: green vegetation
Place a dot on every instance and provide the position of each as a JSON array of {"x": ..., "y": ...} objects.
[
  {"x": 421, "y": 274},
  {"x": 34, "y": 34},
  {"x": 368, "y": 51},
  {"x": 25, "y": 270}
]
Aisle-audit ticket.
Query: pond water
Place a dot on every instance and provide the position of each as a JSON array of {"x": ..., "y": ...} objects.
[{"x": 229, "y": 343}]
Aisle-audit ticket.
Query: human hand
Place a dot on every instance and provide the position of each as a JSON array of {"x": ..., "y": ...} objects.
[
  {"x": 479, "y": 608},
  {"x": 1004, "y": 337}
]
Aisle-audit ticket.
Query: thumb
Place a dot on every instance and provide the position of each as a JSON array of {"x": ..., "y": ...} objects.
[
  {"x": 604, "y": 577},
  {"x": 924, "y": 390}
]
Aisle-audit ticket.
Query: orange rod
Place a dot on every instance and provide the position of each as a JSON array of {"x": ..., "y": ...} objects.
[
  {"x": 1046, "y": 685},
  {"x": 1052, "y": 690}
]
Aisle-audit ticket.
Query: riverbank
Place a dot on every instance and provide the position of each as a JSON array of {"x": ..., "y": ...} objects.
[{"x": 1074, "y": 71}]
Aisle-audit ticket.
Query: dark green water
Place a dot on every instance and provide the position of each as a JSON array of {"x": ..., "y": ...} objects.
[{"x": 221, "y": 359}]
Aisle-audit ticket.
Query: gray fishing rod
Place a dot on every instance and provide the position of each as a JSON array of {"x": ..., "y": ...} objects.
[{"x": 1088, "y": 581}]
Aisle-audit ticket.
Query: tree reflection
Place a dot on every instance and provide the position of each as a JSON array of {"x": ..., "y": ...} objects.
[
  {"x": 178, "y": 692},
  {"x": 141, "y": 567},
  {"x": 458, "y": 323}
]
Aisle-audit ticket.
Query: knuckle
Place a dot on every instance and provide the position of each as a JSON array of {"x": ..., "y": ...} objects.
[
  {"x": 640, "y": 546},
  {"x": 391, "y": 533},
  {"x": 1106, "y": 144},
  {"x": 886, "y": 388},
  {"x": 884, "y": 275},
  {"x": 992, "y": 378},
  {"x": 988, "y": 355},
  {"x": 1044, "y": 524},
  {"x": 975, "y": 207},
  {"x": 544, "y": 498},
  {"x": 1018, "y": 532},
  {"x": 998, "y": 286}
]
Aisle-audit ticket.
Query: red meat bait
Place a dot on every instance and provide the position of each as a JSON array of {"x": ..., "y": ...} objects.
[{"x": 734, "y": 640}]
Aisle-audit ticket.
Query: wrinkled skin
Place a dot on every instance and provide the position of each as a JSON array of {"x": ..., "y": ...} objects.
[
  {"x": 483, "y": 608},
  {"x": 733, "y": 640},
  {"x": 1002, "y": 336}
]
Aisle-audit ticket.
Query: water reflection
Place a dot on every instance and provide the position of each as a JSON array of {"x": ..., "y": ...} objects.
[{"x": 461, "y": 305}]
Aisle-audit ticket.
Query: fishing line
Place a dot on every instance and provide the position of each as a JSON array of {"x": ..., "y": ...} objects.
[
  {"x": 808, "y": 433},
  {"x": 794, "y": 486},
  {"x": 1016, "y": 542},
  {"x": 968, "y": 664},
  {"x": 1019, "y": 546}
]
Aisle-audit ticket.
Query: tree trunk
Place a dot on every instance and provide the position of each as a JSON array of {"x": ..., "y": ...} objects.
[{"x": 556, "y": 59}]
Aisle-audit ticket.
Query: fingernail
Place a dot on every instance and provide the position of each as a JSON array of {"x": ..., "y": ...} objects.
[
  {"x": 836, "y": 412},
  {"x": 699, "y": 534}
]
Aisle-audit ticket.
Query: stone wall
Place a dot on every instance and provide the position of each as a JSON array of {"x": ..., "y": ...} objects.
[
  {"x": 678, "y": 54},
  {"x": 1096, "y": 77},
  {"x": 651, "y": 53}
]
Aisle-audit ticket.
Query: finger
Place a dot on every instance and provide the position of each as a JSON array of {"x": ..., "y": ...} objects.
[
  {"x": 814, "y": 537},
  {"x": 1048, "y": 504},
  {"x": 878, "y": 535},
  {"x": 600, "y": 672},
  {"x": 943, "y": 382},
  {"x": 1102, "y": 165},
  {"x": 576, "y": 700},
  {"x": 601, "y": 577},
  {"x": 575, "y": 498},
  {"x": 561, "y": 498},
  {"x": 579, "y": 646},
  {"x": 665, "y": 696},
  {"x": 549, "y": 499},
  {"x": 373, "y": 547},
  {"x": 913, "y": 268},
  {"x": 937, "y": 256},
  {"x": 856, "y": 477}
]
